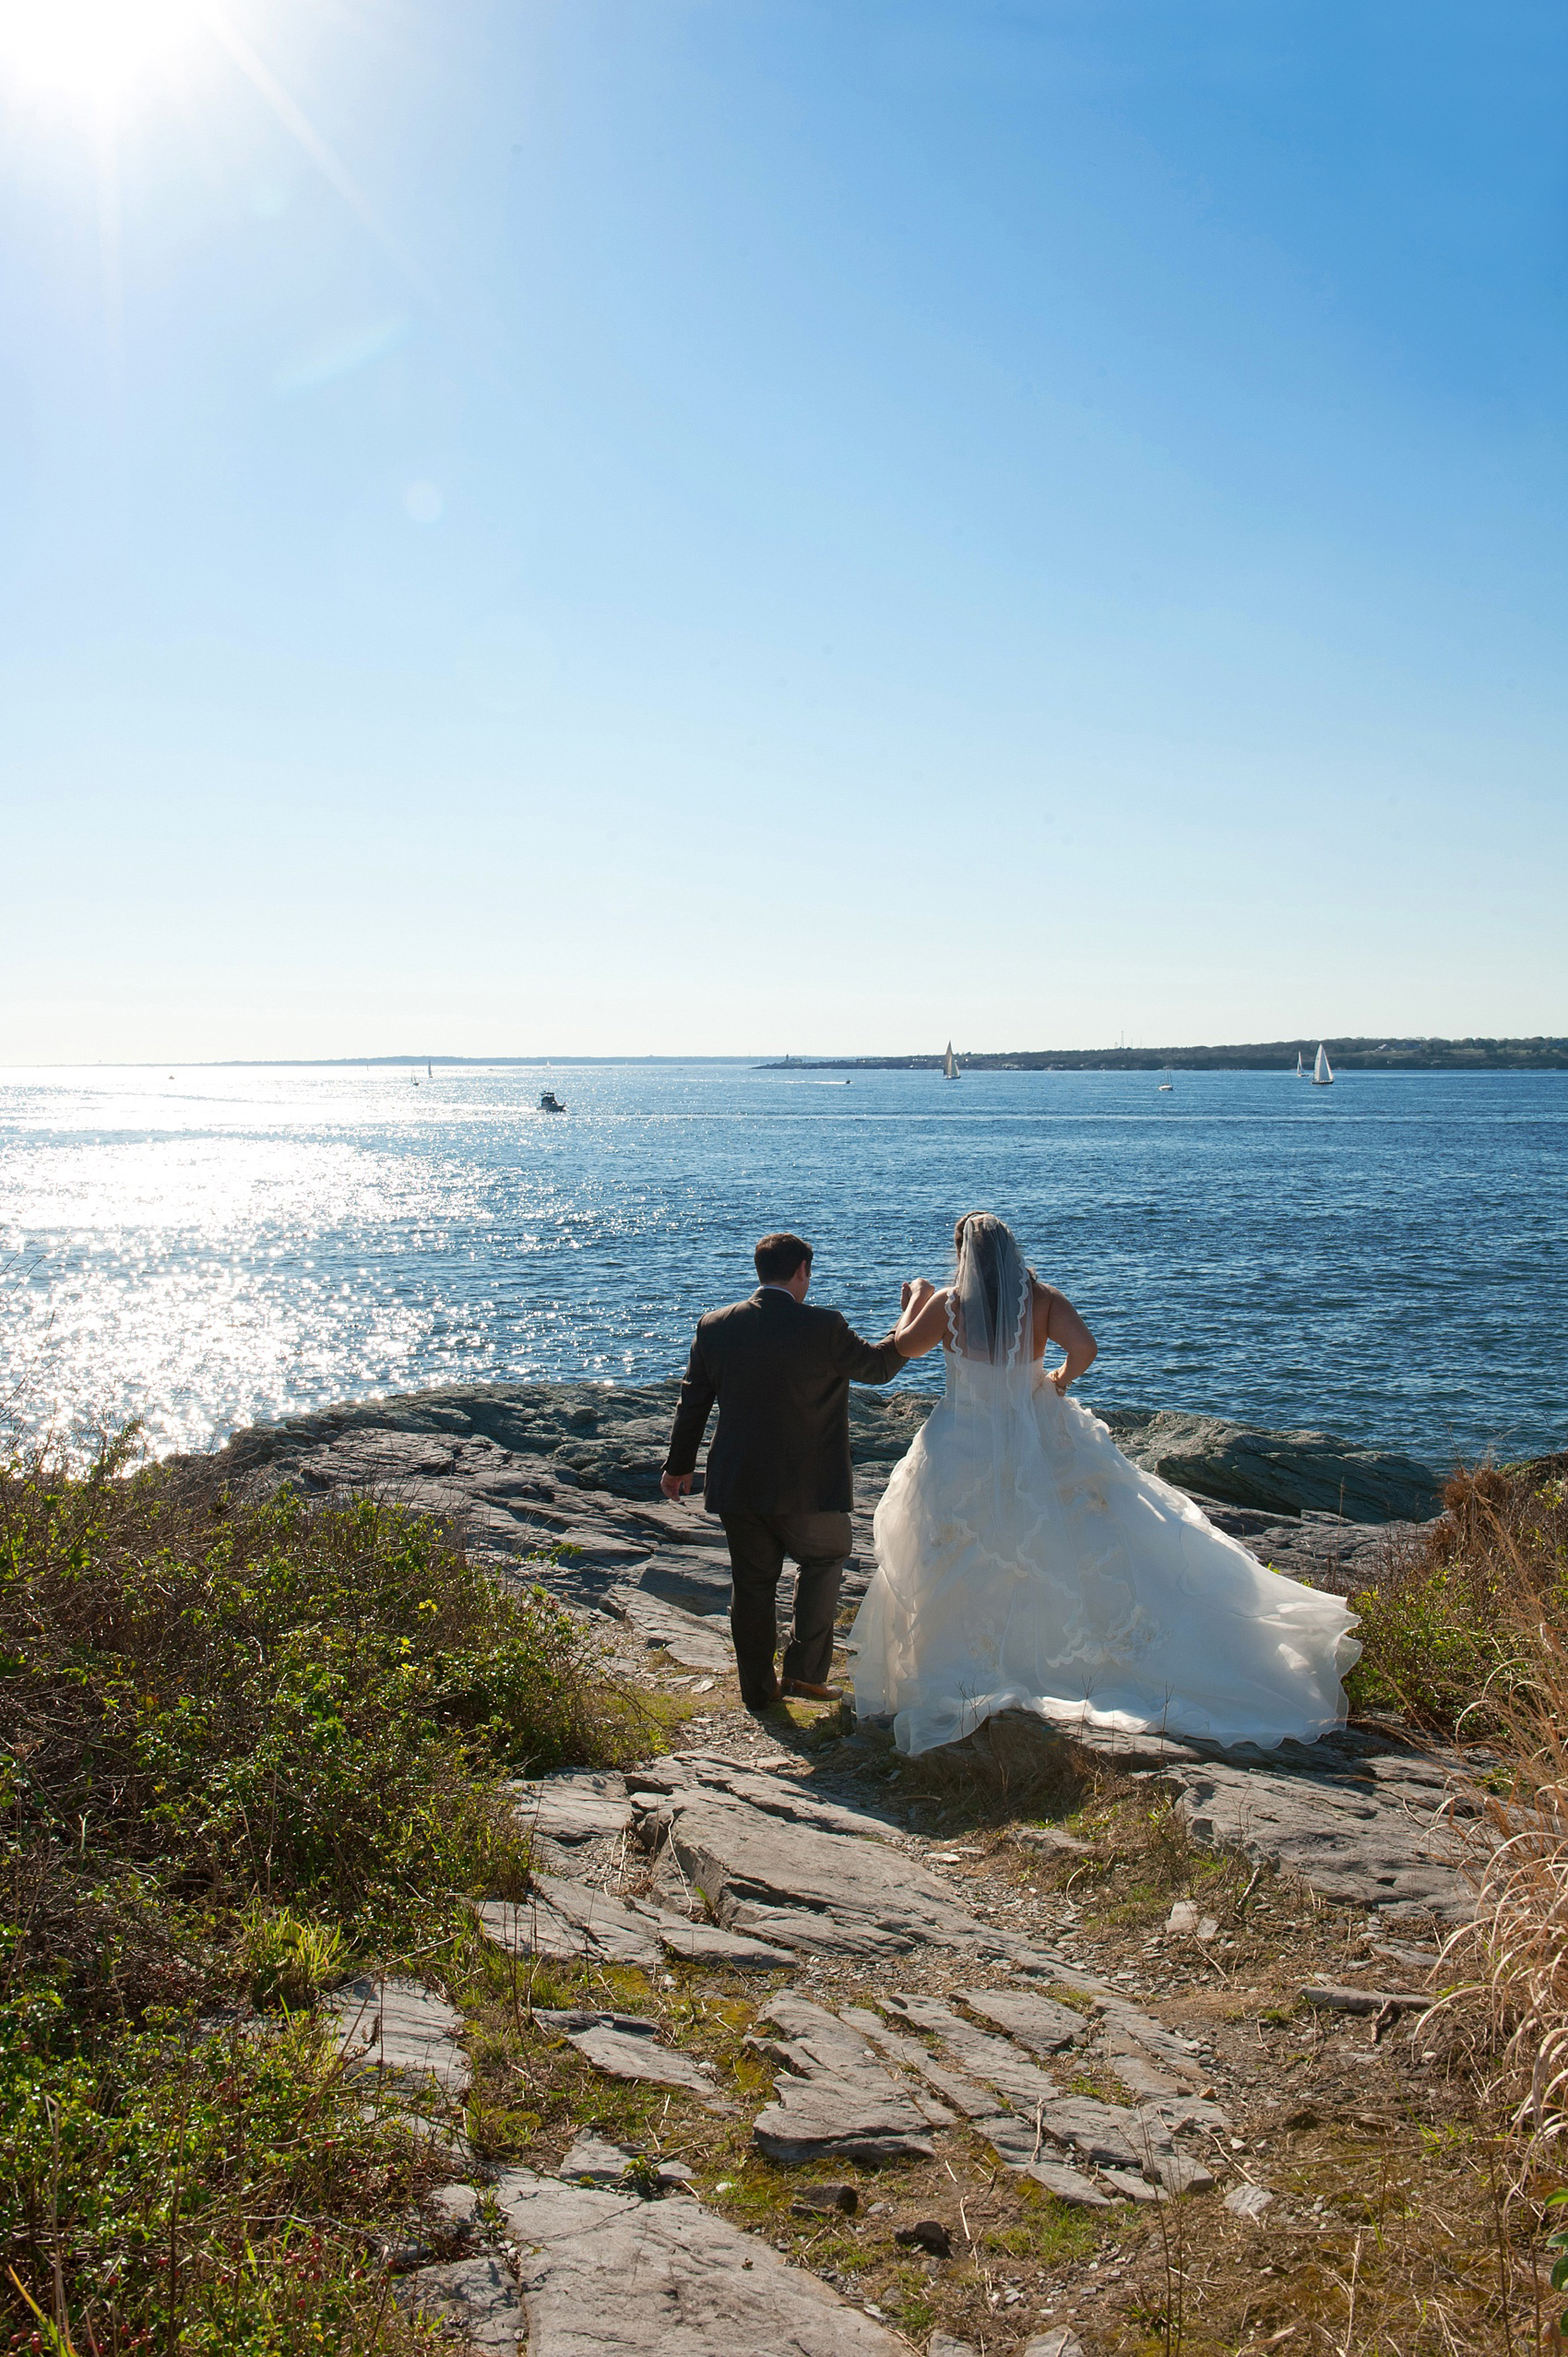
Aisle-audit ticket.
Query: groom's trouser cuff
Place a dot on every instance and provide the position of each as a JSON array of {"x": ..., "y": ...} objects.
[{"x": 758, "y": 1545}]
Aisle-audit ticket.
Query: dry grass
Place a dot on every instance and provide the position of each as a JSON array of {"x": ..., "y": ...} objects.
[
  {"x": 1506, "y": 1533},
  {"x": 1456, "y": 1638}
]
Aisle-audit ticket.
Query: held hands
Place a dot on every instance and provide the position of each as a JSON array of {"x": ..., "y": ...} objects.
[{"x": 914, "y": 1292}]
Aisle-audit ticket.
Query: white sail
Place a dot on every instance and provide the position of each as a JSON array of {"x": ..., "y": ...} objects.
[
  {"x": 950, "y": 1063},
  {"x": 1322, "y": 1073},
  {"x": 1301, "y": 1067}
]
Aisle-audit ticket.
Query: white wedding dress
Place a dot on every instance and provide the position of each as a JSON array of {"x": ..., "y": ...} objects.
[{"x": 1023, "y": 1563}]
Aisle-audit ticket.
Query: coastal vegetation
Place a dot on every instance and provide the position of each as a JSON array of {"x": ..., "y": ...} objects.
[
  {"x": 243, "y": 1748},
  {"x": 249, "y": 1748},
  {"x": 1542, "y": 1053}
]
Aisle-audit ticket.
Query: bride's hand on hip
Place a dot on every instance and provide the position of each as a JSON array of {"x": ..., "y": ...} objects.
[{"x": 1059, "y": 1378}]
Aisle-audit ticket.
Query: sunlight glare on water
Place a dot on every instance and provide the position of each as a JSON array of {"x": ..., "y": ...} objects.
[{"x": 208, "y": 1248}]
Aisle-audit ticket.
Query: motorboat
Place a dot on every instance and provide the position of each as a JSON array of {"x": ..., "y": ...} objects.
[{"x": 550, "y": 1103}]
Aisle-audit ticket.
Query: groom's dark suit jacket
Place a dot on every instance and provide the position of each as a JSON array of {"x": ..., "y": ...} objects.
[{"x": 780, "y": 1370}]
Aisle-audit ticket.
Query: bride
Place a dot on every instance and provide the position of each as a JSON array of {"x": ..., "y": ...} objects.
[{"x": 1024, "y": 1562}]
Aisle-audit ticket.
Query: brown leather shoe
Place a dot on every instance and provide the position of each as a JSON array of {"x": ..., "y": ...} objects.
[{"x": 805, "y": 1692}]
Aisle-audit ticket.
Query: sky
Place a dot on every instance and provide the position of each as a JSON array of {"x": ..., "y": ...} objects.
[{"x": 779, "y": 526}]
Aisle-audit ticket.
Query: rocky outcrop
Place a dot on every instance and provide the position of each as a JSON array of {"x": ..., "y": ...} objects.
[
  {"x": 613, "y": 1439},
  {"x": 571, "y": 1470},
  {"x": 1276, "y": 1474}
]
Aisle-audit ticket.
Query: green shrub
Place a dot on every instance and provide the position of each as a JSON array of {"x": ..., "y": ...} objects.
[
  {"x": 210, "y": 1703},
  {"x": 244, "y": 1746},
  {"x": 1432, "y": 1643},
  {"x": 219, "y": 2195}
]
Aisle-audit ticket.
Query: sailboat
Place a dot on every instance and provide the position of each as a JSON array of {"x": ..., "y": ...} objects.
[
  {"x": 1323, "y": 1071},
  {"x": 428, "y": 1073},
  {"x": 950, "y": 1063},
  {"x": 1167, "y": 1084},
  {"x": 1301, "y": 1067}
]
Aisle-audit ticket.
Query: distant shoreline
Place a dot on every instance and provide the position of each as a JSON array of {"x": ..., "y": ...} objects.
[
  {"x": 1538, "y": 1054},
  {"x": 1271, "y": 1055}
]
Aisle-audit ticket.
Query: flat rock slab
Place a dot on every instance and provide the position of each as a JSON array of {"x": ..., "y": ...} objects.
[
  {"x": 996, "y": 2061},
  {"x": 574, "y": 1808},
  {"x": 591, "y": 2157},
  {"x": 623, "y": 2051},
  {"x": 1040, "y": 2023},
  {"x": 710, "y": 1944},
  {"x": 977, "y": 2103},
  {"x": 401, "y": 2029},
  {"x": 476, "y": 2297},
  {"x": 453, "y": 2211},
  {"x": 1129, "y": 2030},
  {"x": 1020, "y": 2146},
  {"x": 569, "y": 1921},
  {"x": 777, "y": 1789},
  {"x": 605, "y": 2275},
  {"x": 695, "y": 1643},
  {"x": 789, "y": 1876},
  {"x": 833, "y": 2100},
  {"x": 573, "y": 1921},
  {"x": 1374, "y": 1826}
]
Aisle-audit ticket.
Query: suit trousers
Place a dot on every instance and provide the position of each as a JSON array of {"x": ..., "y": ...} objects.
[{"x": 819, "y": 1544}]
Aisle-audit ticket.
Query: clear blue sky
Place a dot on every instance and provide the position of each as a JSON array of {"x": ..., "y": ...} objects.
[{"x": 691, "y": 527}]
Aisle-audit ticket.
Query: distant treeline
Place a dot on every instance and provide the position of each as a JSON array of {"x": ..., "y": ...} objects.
[{"x": 1265, "y": 1055}]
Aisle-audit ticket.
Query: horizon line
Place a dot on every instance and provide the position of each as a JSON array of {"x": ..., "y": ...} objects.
[{"x": 774, "y": 1061}]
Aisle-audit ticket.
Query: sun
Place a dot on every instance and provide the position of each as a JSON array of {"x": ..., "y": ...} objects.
[{"x": 95, "y": 53}]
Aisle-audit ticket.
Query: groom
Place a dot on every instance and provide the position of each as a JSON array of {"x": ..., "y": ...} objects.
[{"x": 779, "y": 1473}]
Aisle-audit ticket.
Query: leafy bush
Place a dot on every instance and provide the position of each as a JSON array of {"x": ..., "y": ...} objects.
[
  {"x": 205, "y": 1703},
  {"x": 242, "y": 1746},
  {"x": 215, "y": 2194}
]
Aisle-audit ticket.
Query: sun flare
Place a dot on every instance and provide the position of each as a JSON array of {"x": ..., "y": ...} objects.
[{"x": 92, "y": 52}]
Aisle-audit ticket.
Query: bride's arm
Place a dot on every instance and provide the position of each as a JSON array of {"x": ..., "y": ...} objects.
[
  {"x": 1067, "y": 1329},
  {"x": 924, "y": 1321}
]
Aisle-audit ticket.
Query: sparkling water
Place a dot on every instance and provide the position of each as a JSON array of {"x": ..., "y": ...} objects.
[{"x": 200, "y": 1248}]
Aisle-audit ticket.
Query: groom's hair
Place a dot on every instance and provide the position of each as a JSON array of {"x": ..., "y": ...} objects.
[{"x": 777, "y": 1257}]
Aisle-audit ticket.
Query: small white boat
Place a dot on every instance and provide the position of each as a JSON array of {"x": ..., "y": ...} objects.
[
  {"x": 1323, "y": 1071},
  {"x": 950, "y": 1063},
  {"x": 1167, "y": 1084},
  {"x": 1301, "y": 1067}
]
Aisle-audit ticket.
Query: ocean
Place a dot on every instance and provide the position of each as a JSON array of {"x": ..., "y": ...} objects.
[{"x": 201, "y": 1248}]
